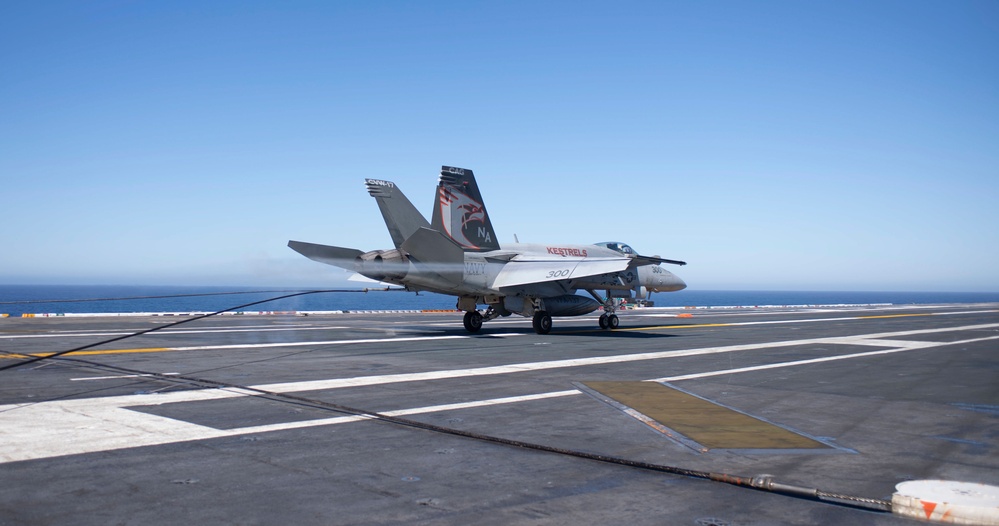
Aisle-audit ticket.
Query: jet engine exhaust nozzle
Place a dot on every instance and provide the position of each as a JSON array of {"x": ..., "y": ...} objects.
[{"x": 380, "y": 265}]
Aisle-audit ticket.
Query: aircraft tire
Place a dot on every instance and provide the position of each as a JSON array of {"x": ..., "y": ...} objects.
[
  {"x": 603, "y": 321},
  {"x": 612, "y": 321},
  {"x": 542, "y": 322},
  {"x": 473, "y": 321}
]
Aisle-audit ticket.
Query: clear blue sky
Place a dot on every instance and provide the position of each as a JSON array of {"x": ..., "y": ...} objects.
[{"x": 772, "y": 145}]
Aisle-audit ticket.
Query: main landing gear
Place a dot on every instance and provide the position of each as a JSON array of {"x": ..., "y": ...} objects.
[
  {"x": 609, "y": 321},
  {"x": 473, "y": 321},
  {"x": 542, "y": 322}
]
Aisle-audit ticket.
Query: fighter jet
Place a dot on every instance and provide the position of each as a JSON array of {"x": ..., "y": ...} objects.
[{"x": 458, "y": 254}]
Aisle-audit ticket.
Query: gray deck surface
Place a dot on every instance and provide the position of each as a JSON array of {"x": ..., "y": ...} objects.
[{"x": 901, "y": 393}]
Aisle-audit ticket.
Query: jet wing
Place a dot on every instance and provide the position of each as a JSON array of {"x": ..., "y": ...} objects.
[
  {"x": 336, "y": 256},
  {"x": 523, "y": 270}
]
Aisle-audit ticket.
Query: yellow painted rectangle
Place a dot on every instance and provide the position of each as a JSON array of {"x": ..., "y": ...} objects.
[{"x": 710, "y": 425}]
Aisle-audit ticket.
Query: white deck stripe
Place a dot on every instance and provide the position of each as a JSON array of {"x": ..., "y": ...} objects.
[
  {"x": 910, "y": 347},
  {"x": 575, "y": 362},
  {"x": 118, "y": 377}
]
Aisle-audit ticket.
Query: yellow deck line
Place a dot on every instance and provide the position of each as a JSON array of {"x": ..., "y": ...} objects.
[{"x": 87, "y": 353}]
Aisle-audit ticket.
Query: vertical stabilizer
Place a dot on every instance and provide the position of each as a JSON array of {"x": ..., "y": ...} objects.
[
  {"x": 459, "y": 212},
  {"x": 401, "y": 217}
]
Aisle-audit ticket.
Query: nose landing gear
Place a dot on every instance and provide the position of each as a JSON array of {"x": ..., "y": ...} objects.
[{"x": 608, "y": 320}]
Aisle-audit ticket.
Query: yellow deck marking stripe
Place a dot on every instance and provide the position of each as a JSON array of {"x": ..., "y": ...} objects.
[
  {"x": 710, "y": 425},
  {"x": 122, "y": 351},
  {"x": 88, "y": 353},
  {"x": 254, "y": 345}
]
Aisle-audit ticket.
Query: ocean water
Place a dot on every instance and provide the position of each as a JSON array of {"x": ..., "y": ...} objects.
[{"x": 16, "y": 300}]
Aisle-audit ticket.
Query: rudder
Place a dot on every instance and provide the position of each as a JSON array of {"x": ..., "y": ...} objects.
[{"x": 459, "y": 212}]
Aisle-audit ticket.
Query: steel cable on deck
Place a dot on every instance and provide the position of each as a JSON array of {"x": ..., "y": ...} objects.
[{"x": 34, "y": 359}]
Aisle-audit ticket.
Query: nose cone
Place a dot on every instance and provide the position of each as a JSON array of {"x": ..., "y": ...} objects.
[
  {"x": 658, "y": 279},
  {"x": 674, "y": 283}
]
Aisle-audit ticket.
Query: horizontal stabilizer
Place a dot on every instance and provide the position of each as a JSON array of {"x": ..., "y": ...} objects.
[
  {"x": 336, "y": 256},
  {"x": 435, "y": 252}
]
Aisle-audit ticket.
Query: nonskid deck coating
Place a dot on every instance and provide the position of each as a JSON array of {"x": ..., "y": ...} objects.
[{"x": 904, "y": 392}]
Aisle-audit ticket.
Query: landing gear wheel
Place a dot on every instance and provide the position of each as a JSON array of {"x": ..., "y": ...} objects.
[
  {"x": 473, "y": 321},
  {"x": 603, "y": 321},
  {"x": 542, "y": 322},
  {"x": 612, "y": 321}
]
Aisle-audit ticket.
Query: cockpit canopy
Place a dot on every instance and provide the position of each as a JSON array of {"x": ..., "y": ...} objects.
[{"x": 617, "y": 246}]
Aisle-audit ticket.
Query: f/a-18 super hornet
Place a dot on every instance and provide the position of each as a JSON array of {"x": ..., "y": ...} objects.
[{"x": 458, "y": 254}]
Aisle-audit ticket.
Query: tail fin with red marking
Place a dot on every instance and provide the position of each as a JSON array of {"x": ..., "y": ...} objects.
[{"x": 459, "y": 212}]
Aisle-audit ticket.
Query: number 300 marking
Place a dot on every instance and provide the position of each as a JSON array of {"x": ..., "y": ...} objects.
[{"x": 558, "y": 273}]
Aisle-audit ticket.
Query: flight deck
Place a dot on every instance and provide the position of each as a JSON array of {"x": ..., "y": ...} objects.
[{"x": 386, "y": 418}]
